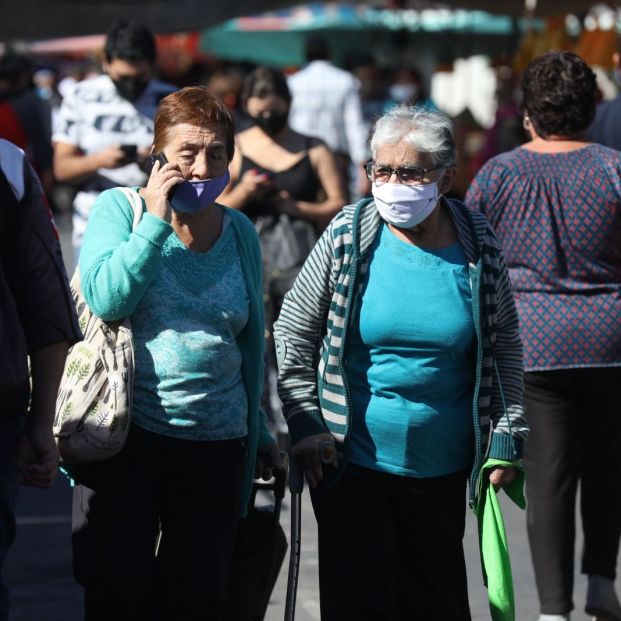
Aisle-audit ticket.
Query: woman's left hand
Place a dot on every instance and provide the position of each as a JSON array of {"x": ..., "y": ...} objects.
[
  {"x": 283, "y": 203},
  {"x": 501, "y": 476},
  {"x": 268, "y": 458}
]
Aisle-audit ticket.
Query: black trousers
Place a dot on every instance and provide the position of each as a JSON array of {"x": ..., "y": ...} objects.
[
  {"x": 191, "y": 491},
  {"x": 575, "y": 435},
  {"x": 390, "y": 547}
]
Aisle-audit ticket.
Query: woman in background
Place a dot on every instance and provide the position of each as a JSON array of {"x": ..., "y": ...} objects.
[
  {"x": 288, "y": 184},
  {"x": 555, "y": 204}
]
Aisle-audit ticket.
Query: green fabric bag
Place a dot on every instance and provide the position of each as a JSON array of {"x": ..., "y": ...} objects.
[{"x": 495, "y": 561}]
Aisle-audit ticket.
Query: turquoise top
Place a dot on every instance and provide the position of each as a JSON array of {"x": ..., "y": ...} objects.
[
  {"x": 117, "y": 267},
  {"x": 187, "y": 382},
  {"x": 410, "y": 362}
]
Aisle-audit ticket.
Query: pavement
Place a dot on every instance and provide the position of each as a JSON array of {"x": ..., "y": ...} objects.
[{"x": 38, "y": 570}]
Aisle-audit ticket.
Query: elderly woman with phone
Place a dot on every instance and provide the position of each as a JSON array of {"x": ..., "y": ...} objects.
[
  {"x": 399, "y": 342},
  {"x": 189, "y": 277}
]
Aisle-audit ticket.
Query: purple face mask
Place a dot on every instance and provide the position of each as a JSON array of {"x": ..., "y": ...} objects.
[{"x": 194, "y": 196}]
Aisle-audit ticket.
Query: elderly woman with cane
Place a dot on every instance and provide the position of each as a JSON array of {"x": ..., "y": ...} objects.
[{"x": 399, "y": 342}]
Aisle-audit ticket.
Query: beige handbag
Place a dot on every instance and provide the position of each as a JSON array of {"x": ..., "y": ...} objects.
[{"x": 94, "y": 403}]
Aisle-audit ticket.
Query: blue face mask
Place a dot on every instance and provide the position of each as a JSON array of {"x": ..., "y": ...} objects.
[{"x": 194, "y": 196}]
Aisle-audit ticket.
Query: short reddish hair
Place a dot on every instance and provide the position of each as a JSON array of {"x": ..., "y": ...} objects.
[{"x": 194, "y": 105}]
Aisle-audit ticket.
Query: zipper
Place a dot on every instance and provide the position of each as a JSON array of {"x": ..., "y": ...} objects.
[{"x": 475, "y": 288}]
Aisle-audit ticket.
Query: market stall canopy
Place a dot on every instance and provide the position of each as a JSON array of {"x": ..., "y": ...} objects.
[
  {"x": 541, "y": 8},
  {"x": 47, "y": 19},
  {"x": 277, "y": 37}
]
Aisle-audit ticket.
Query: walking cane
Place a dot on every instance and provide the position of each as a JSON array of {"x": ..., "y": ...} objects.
[
  {"x": 296, "y": 486},
  {"x": 327, "y": 454}
]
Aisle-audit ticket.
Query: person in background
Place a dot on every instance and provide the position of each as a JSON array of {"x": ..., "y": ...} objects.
[
  {"x": 555, "y": 204},
  {"x": 407, "y": 88},
  {"x": 45, "y": 80},
  {"x": 606, "y": 127},
  {"x": 326, "y": 104},
  {"x": 189, "y": 276},
  {"x": 384, "y": 346},
  {"x": 75, "y": 71},
  {"x": 226, "y": 84},
  {"x": 25, "y": 119},
  {"x": 105, "y": 124},
  {"x": 507, "y": 131},
  {"x": 288, "y": 185},
  {"x": 37, "y": 320},
  {"x": 373, "y": 89}
]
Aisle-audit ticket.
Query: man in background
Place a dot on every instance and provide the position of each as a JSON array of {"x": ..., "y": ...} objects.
[
  {"x": 326, "y": 104},
  {"x": 25, "y": 119},
  {"x": 606, "y": 128},
  {"x": 37, "y": 321},
  {"x": 105, "y": 124}
]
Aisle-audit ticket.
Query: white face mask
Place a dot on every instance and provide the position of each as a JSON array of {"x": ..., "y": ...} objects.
[{"x": 405, "y": 206}]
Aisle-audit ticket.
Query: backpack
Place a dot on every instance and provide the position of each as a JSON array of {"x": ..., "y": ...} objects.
[{"x": 94, "y": 403}]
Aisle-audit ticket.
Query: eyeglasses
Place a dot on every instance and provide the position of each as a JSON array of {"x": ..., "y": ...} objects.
[{"x": 407, "y": 175}]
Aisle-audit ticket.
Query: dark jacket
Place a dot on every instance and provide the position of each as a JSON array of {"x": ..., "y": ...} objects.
[{"x": 36, "y": 309}]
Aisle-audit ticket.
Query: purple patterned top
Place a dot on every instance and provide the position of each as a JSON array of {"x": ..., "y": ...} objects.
[{"x": 558, "y": 218}]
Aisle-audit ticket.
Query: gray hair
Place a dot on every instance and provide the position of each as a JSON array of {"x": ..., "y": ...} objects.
[{"x": 426, "y": 130}]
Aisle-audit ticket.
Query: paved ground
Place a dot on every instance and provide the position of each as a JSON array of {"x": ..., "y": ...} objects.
[
  {"x": 39, "y": 566},
  {"x": 525, "y": 593}
]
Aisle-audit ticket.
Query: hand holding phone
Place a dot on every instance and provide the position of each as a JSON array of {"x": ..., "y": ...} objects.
[
  {"x": 160, "y": 186},
  {"x": 256, "y": 184},
  {"x": 130, "y": 151},
  {"x": 155, "y": 157}
]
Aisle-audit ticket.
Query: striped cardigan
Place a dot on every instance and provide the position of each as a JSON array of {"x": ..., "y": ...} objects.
[{"x": 311, "y": 335}]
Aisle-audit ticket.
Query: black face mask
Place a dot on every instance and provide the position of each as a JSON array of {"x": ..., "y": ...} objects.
[
  {"x": 130, "y": 88},
  {"x": 272, "y": 124}
]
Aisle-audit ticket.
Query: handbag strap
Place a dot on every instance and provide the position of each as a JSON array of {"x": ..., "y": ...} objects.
[{"x": 135, "y": 200}]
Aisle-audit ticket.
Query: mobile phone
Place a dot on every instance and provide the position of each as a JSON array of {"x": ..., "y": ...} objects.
[
  {"x": 155, "y": 157},
  {"x": 130, "y": 151}
]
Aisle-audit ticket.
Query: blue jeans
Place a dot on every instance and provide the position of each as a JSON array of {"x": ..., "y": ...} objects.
[{"x": 9, "y": 434}]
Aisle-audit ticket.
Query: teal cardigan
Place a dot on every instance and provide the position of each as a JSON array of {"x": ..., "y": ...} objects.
[{"x": 117, "y": 265}]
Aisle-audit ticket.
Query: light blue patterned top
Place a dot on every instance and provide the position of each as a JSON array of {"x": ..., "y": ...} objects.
[
  {"x": 188, "y": 380},
  {"x": 117, "y": 266}
]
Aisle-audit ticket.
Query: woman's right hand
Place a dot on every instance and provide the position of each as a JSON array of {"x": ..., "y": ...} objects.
[
  {"x": 161, "y": 182},
  {"x": 112, "y": 157},
  {"x": 254, "y": 184},
  {"x": 314, "y": 451}
]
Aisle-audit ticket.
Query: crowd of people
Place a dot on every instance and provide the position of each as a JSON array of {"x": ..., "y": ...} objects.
[{"x": 297, "y": 277}]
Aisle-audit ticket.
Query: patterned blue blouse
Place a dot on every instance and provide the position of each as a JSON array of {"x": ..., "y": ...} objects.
[{"x": 558, "y": 218}]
